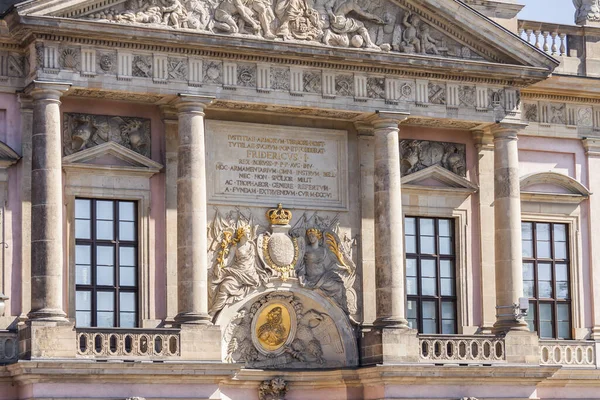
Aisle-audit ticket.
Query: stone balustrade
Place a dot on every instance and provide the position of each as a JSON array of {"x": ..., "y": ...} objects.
[
  {"x": 9, "y": 347},
  {"x": 568, "y": 353},
  {"x": 461, "y": 349},
  {"x": 117, "y": 343},
  {"x": 551, "y": 38}
]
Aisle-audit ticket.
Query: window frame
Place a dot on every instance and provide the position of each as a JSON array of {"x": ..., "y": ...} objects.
[
  {"x": 439, "y": 299},
  {"x": 554, "y": 301},
  {"x": 116, "y": 289}
]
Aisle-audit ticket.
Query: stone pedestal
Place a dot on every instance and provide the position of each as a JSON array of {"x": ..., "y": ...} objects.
[
  {"x": 507, "y": 221},
  {"x": 389, "y": 244},
  {"x": 522, "y": 347},
  {"x": 389, "y": 346},
  {"x": 192, "y": 248},
  {"x": 200, "y": 342},
  {"x": 47, "y": 261},
  {"x": 47, "y": 340}
]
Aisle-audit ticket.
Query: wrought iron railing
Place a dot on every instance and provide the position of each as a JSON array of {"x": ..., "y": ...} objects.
[
  {"x": 9, "y": 347},
  {"x": 461, "y": 349},
  {"x": 122, "y": 343},
  {"x": 568, "y": 353}
]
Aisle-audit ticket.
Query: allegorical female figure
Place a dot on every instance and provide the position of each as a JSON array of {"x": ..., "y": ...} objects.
[
  {"x": 322, "y": 270},
  {"x": 233, "y": 282}
]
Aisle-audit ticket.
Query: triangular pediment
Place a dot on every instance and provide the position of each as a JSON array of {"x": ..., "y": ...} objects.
[
  {"x": 8, "y": 156},
  {"x": 415, "y": 28},
  {"x": 437, "y": 178},
  {"x": 552, "y": 187},
  {"x": 111, "y": 156}
]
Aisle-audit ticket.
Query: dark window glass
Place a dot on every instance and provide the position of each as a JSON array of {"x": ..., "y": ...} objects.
[
  {"x": 106, "y": 268},
  {"x": 430, "y": 275},
  {"x": 546, "y": 279}
]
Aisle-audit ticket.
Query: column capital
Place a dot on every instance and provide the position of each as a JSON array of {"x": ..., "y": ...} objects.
[
  {"x": 363, "y": 128},
  {"x": 387, "y": 119},
  {"x": 46, "y": 90},
  {"x": 168, "y": 113},
  {"x": 508, "y": 130},
  {"x": 591, "y": 146},
  {"x": 26, "y": 101},
  {"x": 191, "y": 103}
]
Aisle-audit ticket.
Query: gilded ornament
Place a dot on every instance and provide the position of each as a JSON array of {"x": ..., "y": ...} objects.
[
  {"x": 284, "y": 270},
  {"x": 279, "y": 216},
  {"x": 273, "y": 327}
]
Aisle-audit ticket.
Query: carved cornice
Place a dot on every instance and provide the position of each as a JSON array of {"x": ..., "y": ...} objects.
[
  {"x": 284, "y": 110},
  {"x": 525, "y": 95}
]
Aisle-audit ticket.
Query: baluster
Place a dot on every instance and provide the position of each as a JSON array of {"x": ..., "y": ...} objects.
[
  {"x": 537, "y": 39},
  {"x": 554, "y": 47},
  {"x": 529, "y": 32},
  {"x": 563, "y": 47},
  {"x": 545, "y": 35}
]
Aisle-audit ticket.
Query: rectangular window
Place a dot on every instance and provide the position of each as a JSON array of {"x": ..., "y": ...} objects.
[
  {"x": 546, "y": 278},
  {"x": 430, "y": 275},
  {"x": 106, "y": 277}
]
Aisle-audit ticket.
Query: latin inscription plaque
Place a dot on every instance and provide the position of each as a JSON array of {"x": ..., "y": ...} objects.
[{"x": 266, "y": 164}]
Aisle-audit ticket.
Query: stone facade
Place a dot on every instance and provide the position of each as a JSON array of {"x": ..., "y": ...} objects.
[{"x": 265, "y": 164}]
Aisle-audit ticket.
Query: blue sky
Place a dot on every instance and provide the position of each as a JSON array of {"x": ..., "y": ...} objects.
[{"x": 559, "y": 11}]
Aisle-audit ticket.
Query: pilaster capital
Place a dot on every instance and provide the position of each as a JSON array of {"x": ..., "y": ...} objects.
[
  {"x": 26, "y": 102},
  {"x": 46, "y": 90},
  {"x": 591, "y": 146},
  {"x": 363, "y": 128},
  {"x": 483, "y": 140},
  {"x": 191, "y": 103},
  {"x": 387, "y": 119},
  {"x": 507, "y": 130},
  {"x": 168, "y": 113}
]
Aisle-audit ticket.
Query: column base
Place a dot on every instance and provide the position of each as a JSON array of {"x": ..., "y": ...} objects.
[
  {"x": 200, "y": 342},
  {"x": 389, "y": 346},
  {"x": 504, "y": 326},
  {"x": 48, "y": 314},
  {"x": 522, "y": 347},
  {"x": 193, "y": 319},
  {"x": 39, "y": 340},
  {"x": 391, "y": 322}
]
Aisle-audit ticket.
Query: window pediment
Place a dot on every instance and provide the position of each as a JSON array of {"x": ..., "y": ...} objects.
[
  {"x": 8, "y": 156},
  {"x": 438, "y": 179},
  {"x": 113, "y": 157},
  {"x": 552, "y": 187}
]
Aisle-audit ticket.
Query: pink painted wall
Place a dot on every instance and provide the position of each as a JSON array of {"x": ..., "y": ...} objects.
[
  {"x": 157, "y": 182},
  {"x": 566, "y": 157},
  {"x": 463, "y": 137}
]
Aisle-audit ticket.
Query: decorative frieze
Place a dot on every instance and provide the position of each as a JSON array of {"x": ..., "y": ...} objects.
[
  {"x": 82, "y": 131},
  {"x": 417, "y": 155}
]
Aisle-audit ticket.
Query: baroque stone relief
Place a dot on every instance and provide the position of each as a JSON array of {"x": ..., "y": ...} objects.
[
  {"x": 417, "y": 155},
  {"x": 247, "y": 255},
  {"x": 274, "y": 389},
  {"x": 82, "y": 131},
  {"x": 279, "y": 330},
  {"x": 586, "y": 10},
  {"x": 376, "y": 25}
]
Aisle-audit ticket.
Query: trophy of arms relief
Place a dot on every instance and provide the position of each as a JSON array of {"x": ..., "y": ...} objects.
[
  {"x": 377, "y": 25},
  {"x": 246, "y": 256}
]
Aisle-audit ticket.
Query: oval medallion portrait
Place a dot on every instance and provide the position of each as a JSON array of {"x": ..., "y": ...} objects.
[{"x": 273, "y": 326}]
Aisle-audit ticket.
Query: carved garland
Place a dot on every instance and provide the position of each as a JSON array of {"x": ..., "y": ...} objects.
[
  {"x": 335, "y": 249},
  {"x": 283, "y": 270},
  {"x": 225, "y": 245}
]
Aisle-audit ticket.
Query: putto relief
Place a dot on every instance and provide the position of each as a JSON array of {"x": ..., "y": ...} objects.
[
  {"x": 248, "y": 256},
  {"x": 82, "y": 131},
  {"x": 376, "y": 25}
]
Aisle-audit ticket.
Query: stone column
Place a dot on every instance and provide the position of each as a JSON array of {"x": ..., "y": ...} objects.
[
  {"x": 389, "y": 242},
  {"x": 46, "y": 204},
  {"x": 192, "y": 261},
  {"x": 485, "y": 179},
  {"x": 592, "y": 150},
  {"x": 507, "y": 220}
]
